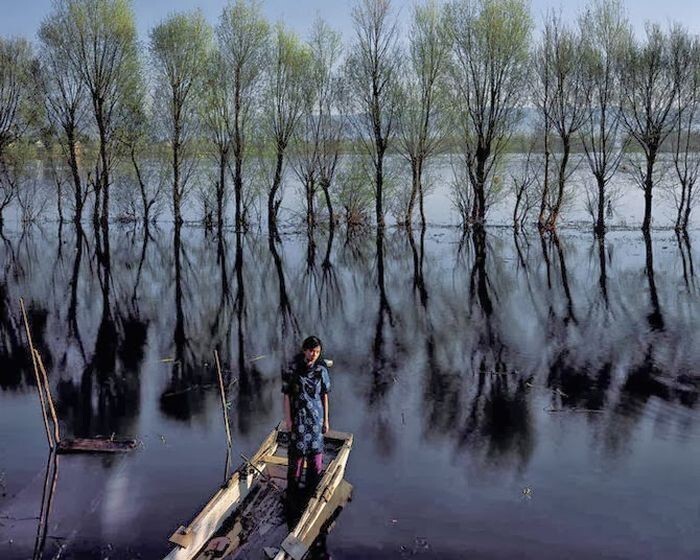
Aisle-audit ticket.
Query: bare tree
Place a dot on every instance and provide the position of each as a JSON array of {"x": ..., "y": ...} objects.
[
  {"x": 286, "y": 91},
  {"x": 605, "y": 32},
  {"x": 487, "y": 75},
  {"x": 560, "y": 97},
  {"x": 217, "y": 123},
  {"x": 420, "y": 133},
  {"x": 16, "y": 105},
  {"x": 318, "y": 139},
  {"x": 65, "y": 103},
  {"x": 137, "y": 140},
  {"x": 102, "y": 49},
  {"x": 686, "y": 153},
  {"x": 523, "y": 178},
  {"x": 179, "y": 48},
  {"x": 372, "y": 73},
  {"x": 650, "y": 86},
  {"x": 242, "y": 34}
]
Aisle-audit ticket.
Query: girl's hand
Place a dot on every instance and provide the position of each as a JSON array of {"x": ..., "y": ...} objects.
[{"x": 326, "y": 428}]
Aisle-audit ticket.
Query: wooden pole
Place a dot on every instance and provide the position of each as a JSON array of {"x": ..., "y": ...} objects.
[
  {"x": 39, "y": 384},
  {"x": 47, "y": 389},
  {"x": 223, "y": 397}
]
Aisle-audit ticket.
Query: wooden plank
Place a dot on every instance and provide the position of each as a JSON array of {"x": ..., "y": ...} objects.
[
  {"x": 341, "y": 436},
  {"x": 96, "y": 445},
  {"x": 277, "y": 471},
  {"x": 222, "y": 504},
  {"x": 294, "y": 547},
  {"x": 276, "y": 460}
]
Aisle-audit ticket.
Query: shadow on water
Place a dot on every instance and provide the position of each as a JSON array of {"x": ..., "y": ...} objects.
[{"x": 469, "y": 341}]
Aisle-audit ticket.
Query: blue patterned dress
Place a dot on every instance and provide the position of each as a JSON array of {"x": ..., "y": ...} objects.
[{"x": 306, "y": 388}]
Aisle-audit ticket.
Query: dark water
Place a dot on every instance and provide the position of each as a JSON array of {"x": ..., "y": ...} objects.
[{"x": 510, "y": 397}]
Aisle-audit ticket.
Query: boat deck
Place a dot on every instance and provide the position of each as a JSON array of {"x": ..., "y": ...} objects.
[{"x": 250, "y": 519}]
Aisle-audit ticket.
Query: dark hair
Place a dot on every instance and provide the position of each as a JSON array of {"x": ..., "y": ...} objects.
[{"x": 311, "y": 342}]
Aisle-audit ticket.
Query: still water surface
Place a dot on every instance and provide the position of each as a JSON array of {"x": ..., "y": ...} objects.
[{"x": 511, "y": 397}]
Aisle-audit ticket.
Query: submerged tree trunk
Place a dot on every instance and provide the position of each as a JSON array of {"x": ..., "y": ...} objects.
[
  {"x": 600, "y": 222},
  {"x": 414, "y": 193},
  {"x": 220, "y": 190},
  {"x": 380, "y": 188},
  {"x": 325, "y": 186},
  {"x": 561, "y": 184},
  {"x": 238, "y": 153},
  {"x": 310, "y": 211},
  {"x": 648, "y": 188},
  {"x": 688, "y": 208},
  {"x": 272, "y": 203},
  {"x": 541, "y": 221},
  {"x": 104, "y": 171},
  {"x": 75, "y": 172}
]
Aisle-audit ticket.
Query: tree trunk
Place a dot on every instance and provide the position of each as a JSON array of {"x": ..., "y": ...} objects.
[
  {"x": 272, "y": 197},
  {"x": 237, "y": 152},
  {"x": 681, "y": 207},
  {"x": 310, "y": 212},
  {"x": 96, "y": 206},
  {"x": 77, "y": 186},
  {"x": 414, "y": 192},
  {"x": 516, "y": 208},
  {"x": 326, "y": 191},
  {"x": 220, "y": 190},
  {"x": 603, "y": 280},
  {"x": 104, "y": 172},
  {"x": 421, "y": 198},
  {"x": 176, "y": 177},
  {"x": 380, "y": 188},
  {"x": 541, "y": 221},
  {"x": 59, "y": 184},
  {"x": 648, "y": 187},
  {"x": 561, "y": 184},
  {"x": 688, "y": 199},
  {"x": 482, "y": 155},
  {"x": 600, "y": 223}
]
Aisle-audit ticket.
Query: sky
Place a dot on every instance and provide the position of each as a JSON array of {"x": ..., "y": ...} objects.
[{"x": 23, "y": 18}]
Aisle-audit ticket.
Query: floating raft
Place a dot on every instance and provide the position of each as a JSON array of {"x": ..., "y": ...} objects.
[{"x": 246, "y": 518}]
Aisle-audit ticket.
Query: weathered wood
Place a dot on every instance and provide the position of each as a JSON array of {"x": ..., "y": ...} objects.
[
  {"x": 37, "y": 374},
  {"x": 96, "y": 445},
  {"x": 49, "y": 398},
  {"x": 297, "y": 547},
  {"x": 222, "y": 504},
  {"x": 223, "y": 397},
  {"x": 254, "y": 521},
  {"x": 276, "y": 460},
  {"x": 182, "y": 537}
]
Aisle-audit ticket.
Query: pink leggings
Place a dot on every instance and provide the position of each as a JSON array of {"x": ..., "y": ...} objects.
[{"x": 314, "y": 468}]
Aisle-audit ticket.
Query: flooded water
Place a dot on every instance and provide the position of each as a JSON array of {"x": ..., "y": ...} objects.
[{"x": 511, "y": 397}]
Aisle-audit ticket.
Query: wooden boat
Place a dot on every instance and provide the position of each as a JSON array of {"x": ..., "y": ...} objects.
[{"x": 247, "y": 519}]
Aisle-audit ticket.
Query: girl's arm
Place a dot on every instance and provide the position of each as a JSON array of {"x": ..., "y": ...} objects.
[
  {"x": 326, "y": 425},
  {"x": 287, "y": 413}
]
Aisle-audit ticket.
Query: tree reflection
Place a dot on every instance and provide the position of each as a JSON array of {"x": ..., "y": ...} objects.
[{"x": 472, "y": 347}]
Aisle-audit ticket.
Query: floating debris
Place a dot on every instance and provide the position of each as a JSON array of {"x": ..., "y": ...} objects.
[
  {"x": 422, "y": 543},
  {"x": 527, "y": 492}
]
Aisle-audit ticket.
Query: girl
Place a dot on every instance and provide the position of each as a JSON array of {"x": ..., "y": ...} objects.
[{"x": 305, "y": 385}]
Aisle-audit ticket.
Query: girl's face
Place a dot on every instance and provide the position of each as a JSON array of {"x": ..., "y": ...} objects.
[{"x": 311, "y": 355}]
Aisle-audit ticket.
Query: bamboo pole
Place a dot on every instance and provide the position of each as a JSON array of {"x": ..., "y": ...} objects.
[
  {"x": 223, "y": 397},
  {"x": 39, "y": 384},
  {"x": 49, "y": 398}
]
